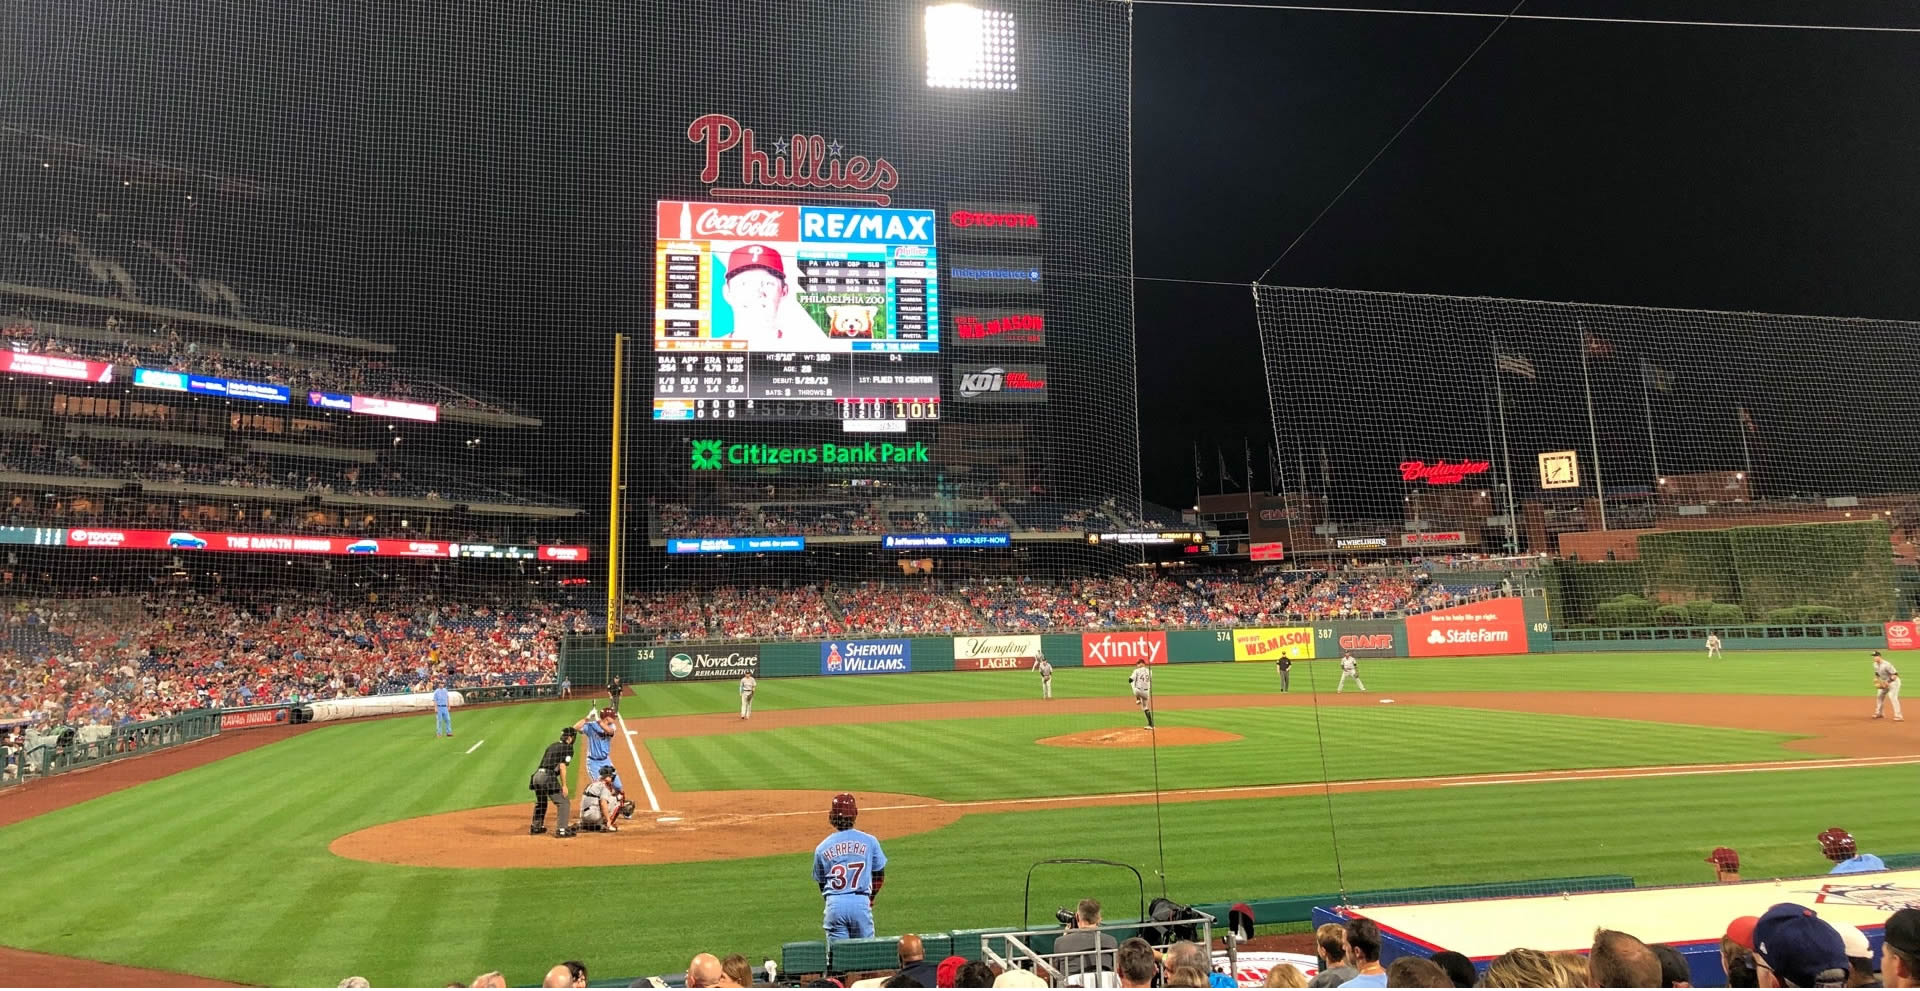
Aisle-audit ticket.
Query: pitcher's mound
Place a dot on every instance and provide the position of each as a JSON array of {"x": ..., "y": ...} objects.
[{"x": 1140, "y": 736}]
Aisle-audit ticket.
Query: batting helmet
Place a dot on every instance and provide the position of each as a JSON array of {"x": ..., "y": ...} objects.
[
  {"x": 843, "y": 812},
  {"x": 1837, "y": 844}
]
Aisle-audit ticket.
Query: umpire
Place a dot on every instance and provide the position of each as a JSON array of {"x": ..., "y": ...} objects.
[{"x": 549, "y": 781}]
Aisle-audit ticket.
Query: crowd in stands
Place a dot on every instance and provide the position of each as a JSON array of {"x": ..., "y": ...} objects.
[{"x": 894, "y": 512}]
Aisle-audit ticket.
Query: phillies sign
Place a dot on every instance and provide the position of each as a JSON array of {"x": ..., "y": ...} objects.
[
  {"x": 1441, "y": 473},
  {"x": 802, "y": 166}
]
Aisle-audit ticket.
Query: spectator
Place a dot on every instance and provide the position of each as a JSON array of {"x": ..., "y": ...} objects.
[
  {"x": 490, "y": 979},
  {"x": 1085, "y": 937},
  {"x": 1736, "y": 953},
  {"x": 1794, "y": 948},
  {"x": 1331, "y": 942},
  {"x": 1522, "y": 968},
  {"x": 1186, "y": 977},
  {"x": 1285, "y": 975},
  {"x": 973, "y": 974},
  {"x": 1019, "y": 978},
  {"x": 913, "y": 961},
  {"x": 1900, "y": 950},
  {"x": 898, "y": 981},
  {"x": 355, "y": 982},
  {"x": 1674, "y": 971},
  {"x": 1415, "y": 972},
  {"x": 1135, "y": 963},
  {"x": 948, "y": 970},
  {"x": 703, "y": 971},
  {"x": 1726, "y": 864},
  {"x": 1459, "y": 969},
  {"x": 571, "y": 974},
  {"x": 1618, "y": 960},
  {"x": 1571, "y": 970},
  {"x": 1187, "y": 953},
  {"x": 1859, "y": 955},
  {"x": 1363, "y": 952}
]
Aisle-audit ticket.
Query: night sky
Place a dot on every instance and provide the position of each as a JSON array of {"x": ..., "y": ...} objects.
[{"x": 1725, "y": 168}]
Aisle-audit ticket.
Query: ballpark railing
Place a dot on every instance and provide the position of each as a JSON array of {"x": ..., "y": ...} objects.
[
  {"x": 69, "y": 748},
  {"x": 1092, "y": 967}
]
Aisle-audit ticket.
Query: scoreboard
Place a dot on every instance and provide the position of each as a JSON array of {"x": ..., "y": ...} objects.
[{"x": 795, "y": 312}]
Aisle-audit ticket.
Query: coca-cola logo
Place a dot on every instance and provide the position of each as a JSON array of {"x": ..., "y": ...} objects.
[
  {"x": 1442, "y": 472},
  {"x": 969, "y": 218},
  {"x": 811, "y": 164},
  {"x": 743, "y": 225}
]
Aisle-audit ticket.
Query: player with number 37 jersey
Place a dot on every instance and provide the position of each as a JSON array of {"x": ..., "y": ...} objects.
[{"x": 850, "y": 869}]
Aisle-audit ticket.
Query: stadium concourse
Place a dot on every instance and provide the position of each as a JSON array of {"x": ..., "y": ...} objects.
[{"x": 118, "y": 659}]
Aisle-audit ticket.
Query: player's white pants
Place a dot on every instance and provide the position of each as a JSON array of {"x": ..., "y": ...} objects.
[
  {"x": 1343, "y": 683},
  {"x": 746, "y": 706},
  {"x": 1891, "y": 693},
  {"x": 1713, "y": 651},
  {"x": 1046, "y": 688}
]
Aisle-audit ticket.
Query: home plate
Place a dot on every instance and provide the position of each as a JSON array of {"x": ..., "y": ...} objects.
[
  {"x": 668, "y": 819},
  {"x": 1386, "y": 701}
]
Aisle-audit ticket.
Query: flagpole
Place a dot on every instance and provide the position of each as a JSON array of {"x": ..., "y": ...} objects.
[
  {"x": 1486, "y": 412},
  {"x": 1506, "y": 457},
  {"x": 1593, "y": 431},
  {"x": 1746, "y": 456},
  {"x": 1646, "y": 400},
  {"x": 1198, "y": 475}
]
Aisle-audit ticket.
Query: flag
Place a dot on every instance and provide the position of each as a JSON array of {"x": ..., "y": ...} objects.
[
  {"x": 1662, "y": 379},
  {"x": 1514, "y": 364},
  {"x": 1746, "y": 420},
  {"x": 1597, "y": 346}
]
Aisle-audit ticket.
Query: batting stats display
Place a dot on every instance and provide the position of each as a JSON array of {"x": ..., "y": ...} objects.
[{"x": 795, "y": 312}]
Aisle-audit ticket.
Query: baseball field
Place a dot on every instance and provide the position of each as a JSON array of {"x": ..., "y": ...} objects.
[{"x": 374, "y": 848}]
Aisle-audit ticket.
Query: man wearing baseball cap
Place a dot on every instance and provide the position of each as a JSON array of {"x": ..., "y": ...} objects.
[
  {"x": 1794, "y": 948},
  {"x": 1900, "y": 950},
  {"x": 757, "y": 291},
  {"x": 1726, "y": 864},
  {"x": 1859, "y": 955}
]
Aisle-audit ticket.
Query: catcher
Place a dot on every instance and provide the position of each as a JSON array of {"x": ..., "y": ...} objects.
[
  {"x": 1886, "y": 683},
  {"x": 601, "y": 804}
]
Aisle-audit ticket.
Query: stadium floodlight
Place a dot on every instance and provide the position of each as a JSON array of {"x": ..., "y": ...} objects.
[{"x": 970, "y": 48}]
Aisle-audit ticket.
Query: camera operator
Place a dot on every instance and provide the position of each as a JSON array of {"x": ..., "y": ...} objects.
[{"x": 1082, "y": 936}]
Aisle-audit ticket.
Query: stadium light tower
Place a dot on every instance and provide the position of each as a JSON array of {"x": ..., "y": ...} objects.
[{"x": 970, "y": 48}]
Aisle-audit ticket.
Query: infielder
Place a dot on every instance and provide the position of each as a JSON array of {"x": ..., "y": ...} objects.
[
  {"x": 600, "y": 727},
  {"x": 1142, "y": 681},
  {"x": 598, "y": 806},
  {"x": 1045, "y": 668},
  {"x": 747, "y": 686},
  {"x": 850, "y": 870},
  {"x": 1349, "y": 668},
  {"x": 1713, "y": 645},
  {"x": 1886, "y": 681}
]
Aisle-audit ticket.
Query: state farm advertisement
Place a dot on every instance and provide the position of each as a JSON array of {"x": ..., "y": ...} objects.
[
  {"x": 1900, "y": 637},
  {"x": 1273, "y": 643},
  {"x": 55, "y": 367},
  {"x": 1106, "y": 650},
  {"x": 1496, "y": 626},
  {"x": 995, "y": 653}
]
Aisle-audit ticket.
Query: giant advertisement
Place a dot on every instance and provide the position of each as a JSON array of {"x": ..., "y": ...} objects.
[
  {"x": 1000, "y": 653},
  {"x": 866, "y": 657},
  {"x": 1122, "y": 649},
  {"x": 1495, "y": 626},
  {"x": 712, "y": 665},
  {"x": 1273, "y": 643},
  {"x": 1363, "y": 637}
]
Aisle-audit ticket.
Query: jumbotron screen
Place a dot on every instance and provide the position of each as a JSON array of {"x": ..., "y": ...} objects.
[{"x": 786, "y": 312}]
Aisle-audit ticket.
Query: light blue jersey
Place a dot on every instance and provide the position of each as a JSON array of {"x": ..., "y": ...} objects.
[
  {"x": 599, "y": 743},
  {"x": 843, "y": 865},
  {"x": 442, "y": 715},
  {"x": 1859, "y": 865}
]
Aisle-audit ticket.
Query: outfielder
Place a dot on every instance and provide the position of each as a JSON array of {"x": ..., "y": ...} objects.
[
  {"x": 1041, "y": 664},
  {"x": 600, "y": 727},
  {"x": 747, "y": 686},
  {"x": 1713, "y": 645},
  {"x": 442, "y": 715},
  {"x": 1142, "y": 681},
  {"x": 1349, "y": 668},
  {"x": 599, "y": 807},
  {"x": 850, "y": 870},
  {"x": 549, "y": 780},
  {"x": 1886, "y": 681}
]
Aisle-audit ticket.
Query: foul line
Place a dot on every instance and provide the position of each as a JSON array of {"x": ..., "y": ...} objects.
[
  {"x": 476, "y": 746},
  {"x": 652, "y": 801},
  {"x": 1447, "y": 781}
]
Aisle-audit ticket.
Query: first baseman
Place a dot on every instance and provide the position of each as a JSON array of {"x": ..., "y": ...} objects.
[
  {"x": 1886, "y": 682},
  {"x": 1045, "y": 668},
  {"x": 850, "y": 870},
  {"x": 1349, "y": 668},
  {"x": 1713, "y": 645},
  {"x": 1142, "y": 681},
  {"x": 747, "y": 686}
]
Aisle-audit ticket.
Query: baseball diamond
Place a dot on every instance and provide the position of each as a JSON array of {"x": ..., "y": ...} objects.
[{"x": 396, "y": 874}]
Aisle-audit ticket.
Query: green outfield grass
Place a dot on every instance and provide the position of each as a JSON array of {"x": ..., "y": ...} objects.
[
  {"x": 223, "y": 871},
  {"x": 1812, "y": 672},
  {"x": 1278, "y": 745}
]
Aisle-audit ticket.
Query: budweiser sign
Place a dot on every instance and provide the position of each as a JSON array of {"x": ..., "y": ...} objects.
[
  {"x": 809, "y": 165},
  {"x": 1441, "y": 473}
]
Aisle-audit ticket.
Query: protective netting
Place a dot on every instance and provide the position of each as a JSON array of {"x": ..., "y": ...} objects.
[{"x": 1670, "y": 457}]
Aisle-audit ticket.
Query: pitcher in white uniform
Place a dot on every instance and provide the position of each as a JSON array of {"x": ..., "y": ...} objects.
[
  {"x": 1045, "y": 668},
  {"x": 747, "y": 685},
  {"x": 1349, "y": 668},
  {"x": 1142, "y": 680}
]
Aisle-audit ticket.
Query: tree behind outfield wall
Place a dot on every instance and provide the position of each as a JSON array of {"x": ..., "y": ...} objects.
[{"x": 1846, "y": 567}]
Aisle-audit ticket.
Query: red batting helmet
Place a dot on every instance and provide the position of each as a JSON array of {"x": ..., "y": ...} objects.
[
  {"x": 842, "y": 814},
  {"x": 1837, "y": 844}
]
